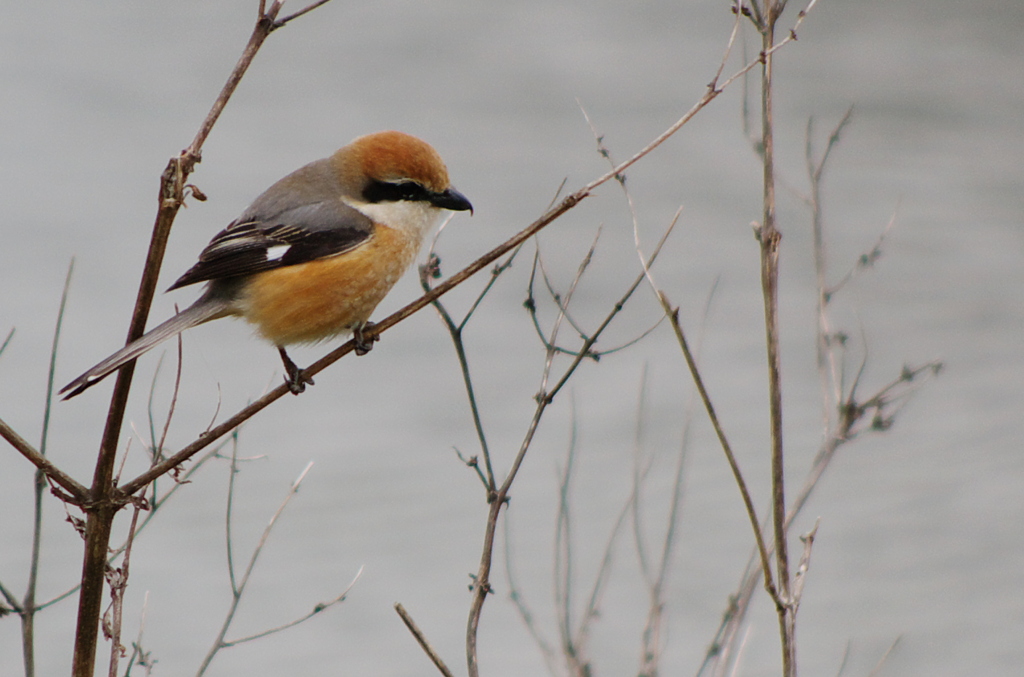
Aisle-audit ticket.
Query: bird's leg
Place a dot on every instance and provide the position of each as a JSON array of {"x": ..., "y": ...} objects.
[
  {"x": 295, "y": 378},
  {"x": 364, "y": 343}
]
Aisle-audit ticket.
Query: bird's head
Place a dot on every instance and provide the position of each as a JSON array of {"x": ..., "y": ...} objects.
[{"x": 387, "y": 173}]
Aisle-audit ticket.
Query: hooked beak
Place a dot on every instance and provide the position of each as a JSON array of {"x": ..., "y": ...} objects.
[{"x": 453, "y": 200}]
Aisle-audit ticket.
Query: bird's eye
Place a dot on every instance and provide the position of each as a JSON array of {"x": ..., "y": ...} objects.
[{"x": 387, "y": 191}]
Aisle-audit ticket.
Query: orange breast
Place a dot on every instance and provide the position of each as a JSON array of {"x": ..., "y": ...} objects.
[{"x": 313, "y": 301}]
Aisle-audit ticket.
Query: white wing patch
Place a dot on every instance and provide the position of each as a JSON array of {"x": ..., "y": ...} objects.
[{"x": 277, "y": 252}]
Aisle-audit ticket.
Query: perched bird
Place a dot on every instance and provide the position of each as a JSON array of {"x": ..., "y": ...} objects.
[{"x": 312, "y": 256}]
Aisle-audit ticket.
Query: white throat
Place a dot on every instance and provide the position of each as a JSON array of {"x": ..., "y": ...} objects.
[{"x": 415, "y": 219}]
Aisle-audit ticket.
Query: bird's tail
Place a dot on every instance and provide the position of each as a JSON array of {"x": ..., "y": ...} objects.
[{"x": 203, "y": 310}]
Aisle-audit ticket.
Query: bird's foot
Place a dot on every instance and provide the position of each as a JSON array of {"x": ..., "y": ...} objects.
[
  {"x": 364, "y": 338},
  {"x": 296, "y": 379}
]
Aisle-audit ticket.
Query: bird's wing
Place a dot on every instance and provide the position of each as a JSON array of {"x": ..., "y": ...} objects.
[{"x": 258, "y": 242}]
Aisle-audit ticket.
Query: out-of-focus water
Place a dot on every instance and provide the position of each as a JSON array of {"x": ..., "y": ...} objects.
[{"x": 920, "y": 535}]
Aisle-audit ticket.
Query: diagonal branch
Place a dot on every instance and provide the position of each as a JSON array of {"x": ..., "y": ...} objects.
[
  {"x": 434, "y": 657},
  {"x": 78, "y": 493}
]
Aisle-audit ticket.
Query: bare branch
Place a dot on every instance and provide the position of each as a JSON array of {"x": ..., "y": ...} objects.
[
  {"x": 455, "y": 332},
  {"x": 800, "y": 577},
  {"x": 309, "y": 8},
  {"x": 881, "y": 661},
  {"x": 238, "y": 587},
  {"x": 424, "y": 644},
  {"x": 474, "y": 463},
  {"x": 28, "y": 604},
  {"x": 76, "y": 492},
  {"x": 516, "y": 595},
  {"x": 865, "y": 260},
  {"x": 7, "y": 341},
  {"x": 117, "y": 579},
  {"x": 320, "y": 607}
]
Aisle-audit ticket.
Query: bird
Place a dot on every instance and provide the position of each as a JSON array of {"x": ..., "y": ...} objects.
[{"x": 313, "y": 255}]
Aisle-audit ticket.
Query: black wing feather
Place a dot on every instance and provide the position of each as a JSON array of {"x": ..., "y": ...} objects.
[{"x": 256, "y": 243}]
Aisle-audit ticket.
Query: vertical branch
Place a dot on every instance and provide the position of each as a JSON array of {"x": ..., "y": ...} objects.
[
  {"x": 28, "y": 604},
  {"x": 432, "y": 269},
  {"x": 572, "y": 650},
  {"x": 818, "y": 247},
  {"x": 228, "y": 513},
  {"x": 104, "y": 499},
  {"x": 769, "y": 238},
  {"x": 118, "y": 580},
  {"x": 828, "y": 369},
  {"x": 545, "y": 395},
  {"x": 482, "y": 584}
]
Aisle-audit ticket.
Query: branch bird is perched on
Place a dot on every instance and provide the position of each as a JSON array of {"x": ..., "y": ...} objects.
[{"x": 312, "y": 256}]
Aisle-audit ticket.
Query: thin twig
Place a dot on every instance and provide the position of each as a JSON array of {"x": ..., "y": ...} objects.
[
  {"x": 651, "y": 634},
  {"x": 238, "y": 587},
  {"x": 228, "y": 514},
  {"x": 28, "y": 604},
  {"x": 545, "y": 395},
  {"x": 800, "y": 577},
  {"x": 769, "y": 237},
  {"x": 13, "y": 605},
  {"x": 318, "y": 608},
  {"x": 455, "y": 332},
  {"x": 139, "y": 655},
  {"x": 118, "y": 582},
  {"x": 865, "y": 260},
  {"x": 482, "y": 586},
  {"x": 516, "y": 595},
  {"x": 172, "y": 407},
  {"x": 76, "y": 493},
  {"x": 573, "y": 643},
  {"x": 740, "y": 600},
  {"x": 7, "y": 341},
  {"x": 881, "y": 661},
  {"x": 748, "y": 502},
  {"x": 265, "y": 24},
  {"x": 563, "y": 301},
  {"x": 591, "y": 612},
  {"x": 639, "y": 474},
  {"x": 424, "y": 644},
  {"x": 474, "y": 463},
  {"x": 309, "y": 8},
  {"x": 155, "y": 450},
  {"x": 846, "y": 658},
  {"x": 655, "y": 582},
  {"x": 828, "y": 371}
]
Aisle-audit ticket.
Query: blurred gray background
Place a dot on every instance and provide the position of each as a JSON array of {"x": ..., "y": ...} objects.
[{"x": 920, "y": 533}]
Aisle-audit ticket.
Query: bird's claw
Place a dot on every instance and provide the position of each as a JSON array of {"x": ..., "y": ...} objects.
[
  {"x": 296, "y": 379},
  {"x": 364, "y": 338}
]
